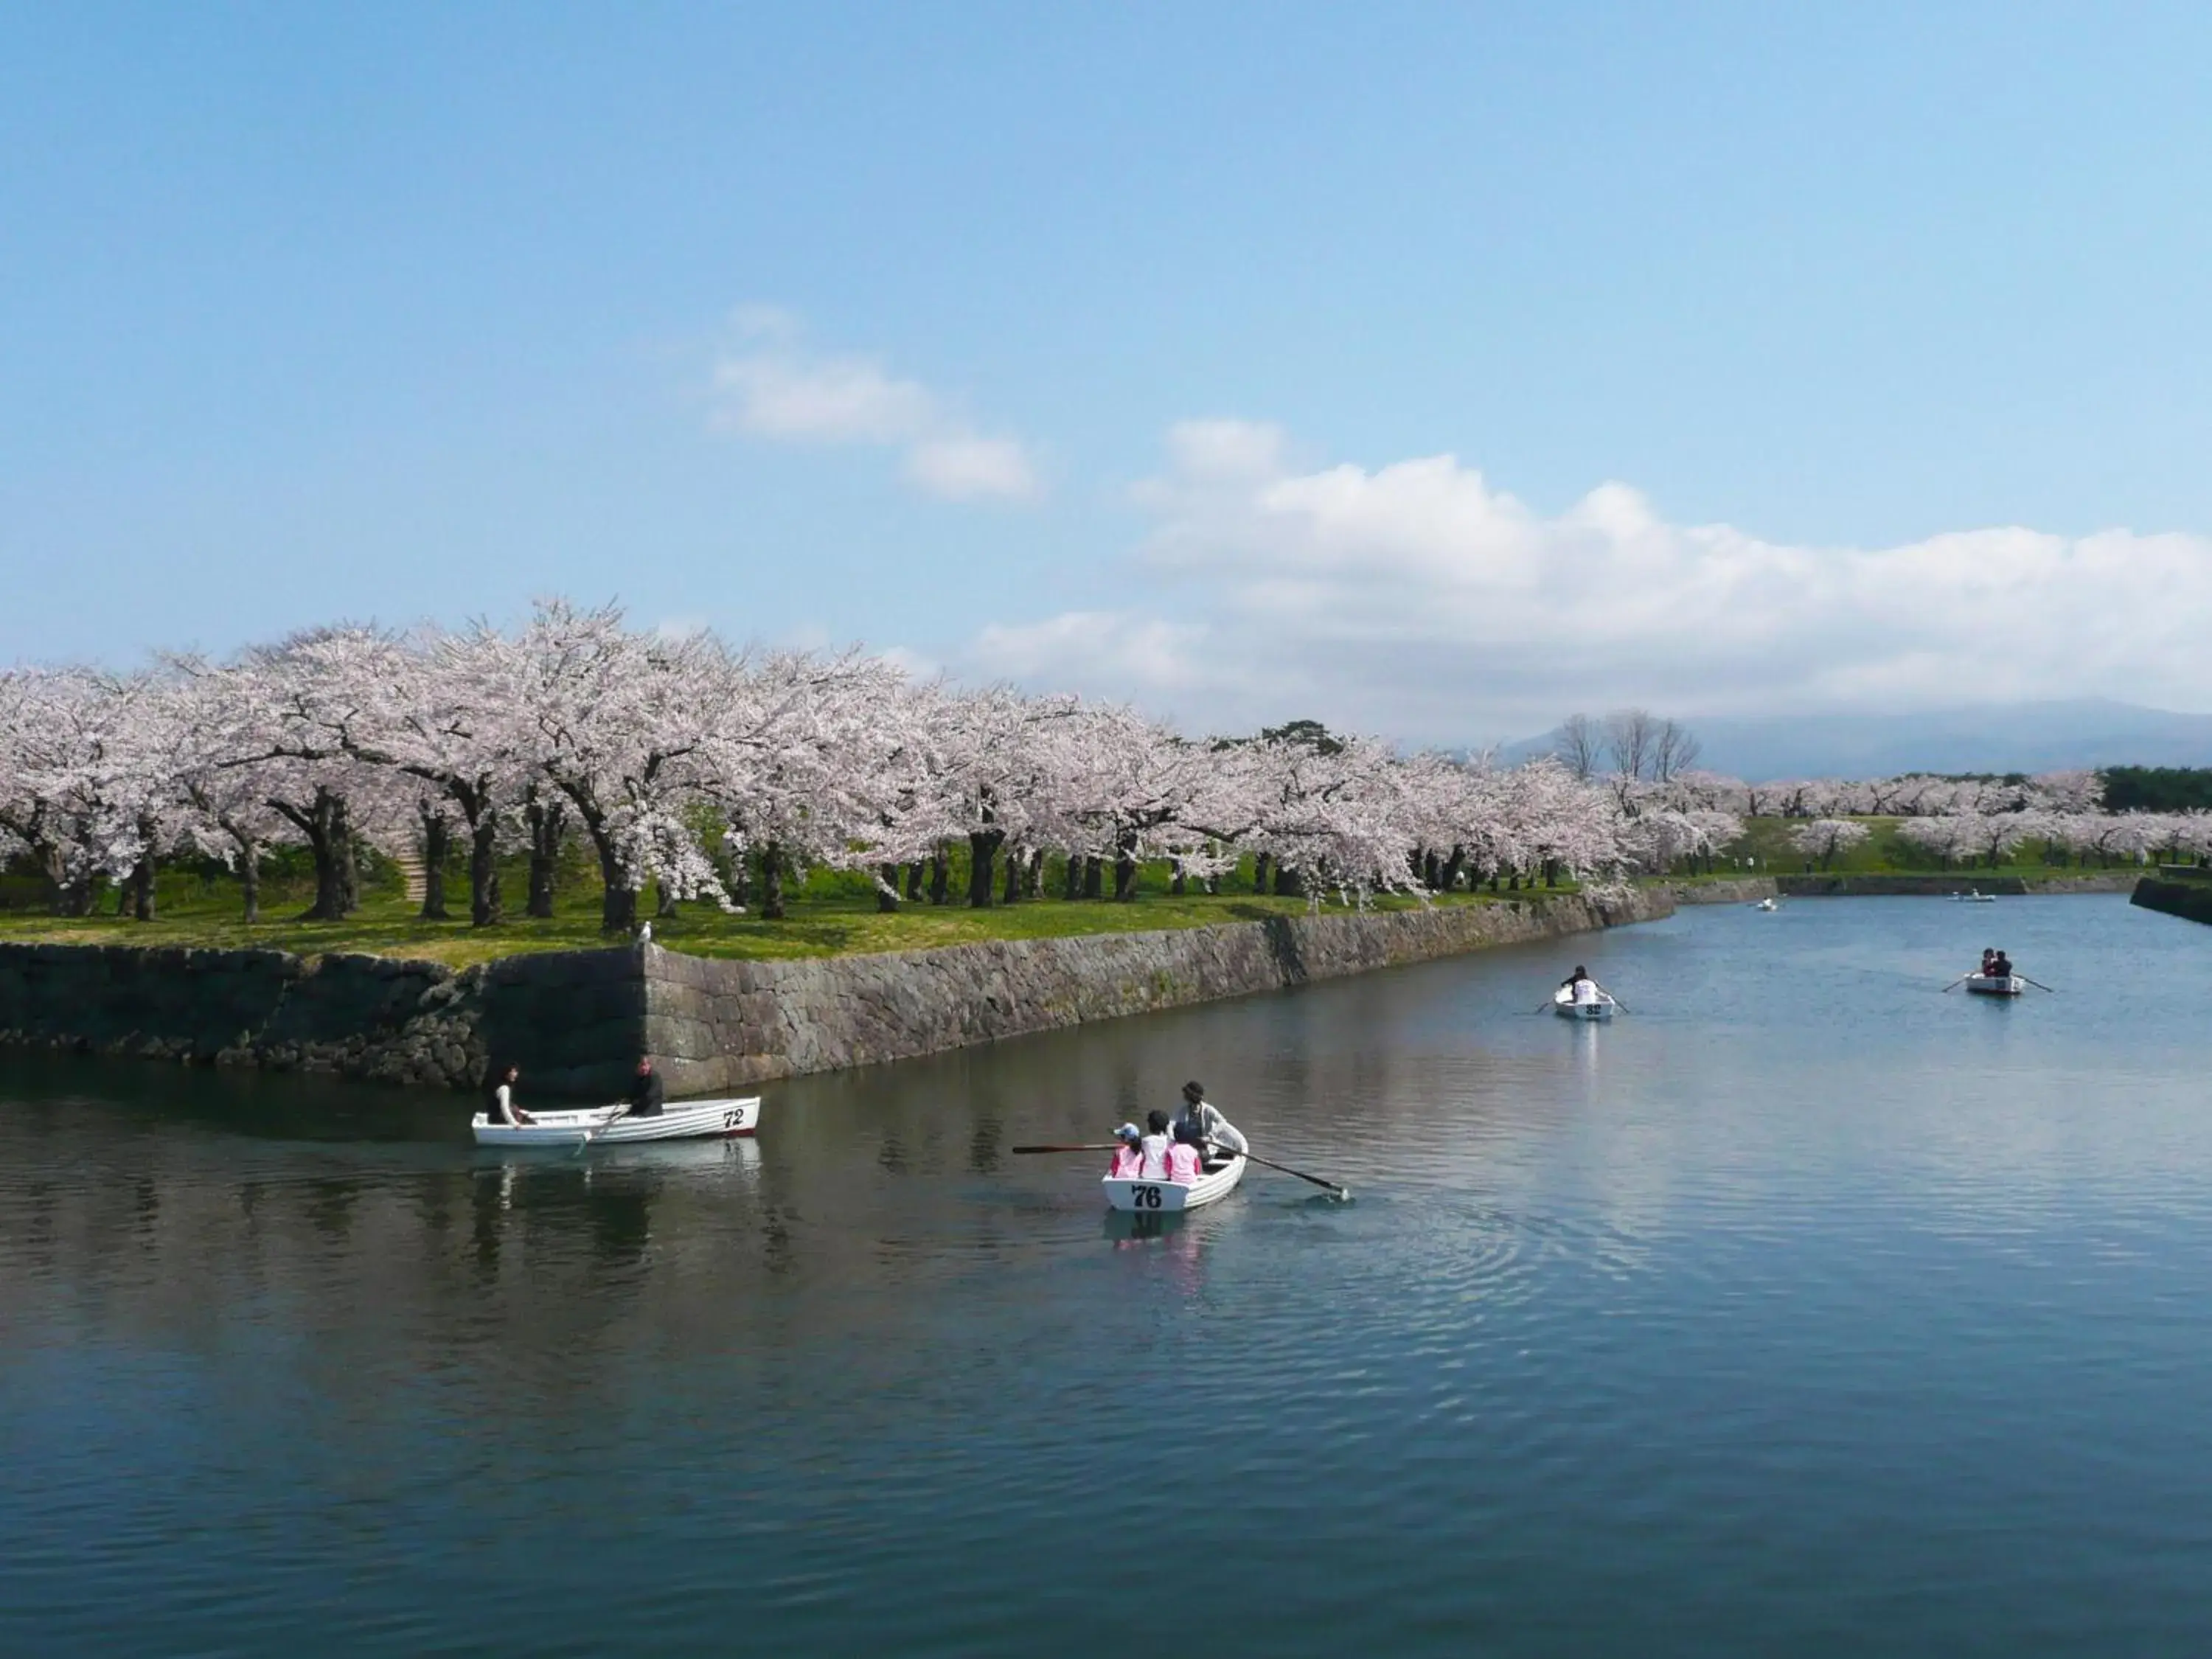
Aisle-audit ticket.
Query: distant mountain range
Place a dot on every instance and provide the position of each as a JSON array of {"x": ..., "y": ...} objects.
[{"x": 2027, "y": 737}]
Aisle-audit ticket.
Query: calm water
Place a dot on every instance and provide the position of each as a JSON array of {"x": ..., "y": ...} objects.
[{"x": 1806, "y": 1311}]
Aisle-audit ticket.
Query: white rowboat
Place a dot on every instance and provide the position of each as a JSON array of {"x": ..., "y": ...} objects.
[
  {"x": 1565, "y": 1005},
  {"x": 1995, "y": 985},
  {"x": 1766, "y": 904},
  {"x": 1974, "y": 896},
  {"x": 680, "y": 1119},
  {"x": 1166, "y": 1197}
]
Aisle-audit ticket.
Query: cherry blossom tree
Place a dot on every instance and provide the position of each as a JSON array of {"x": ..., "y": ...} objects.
[
  {"x": 616, "y": 721},
  {"x": 1825, "y": 838}
]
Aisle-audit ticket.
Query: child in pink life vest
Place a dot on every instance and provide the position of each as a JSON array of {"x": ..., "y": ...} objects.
[
  {"x": 1183, "y": 1162},
  {"x": 1128, "y": 1159}
]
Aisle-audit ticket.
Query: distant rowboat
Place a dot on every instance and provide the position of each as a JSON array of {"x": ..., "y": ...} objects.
[{"x": 1995, "y": 985}]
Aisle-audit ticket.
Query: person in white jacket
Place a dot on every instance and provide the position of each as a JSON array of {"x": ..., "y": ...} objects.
[{"x": 1203, "y": 1122}]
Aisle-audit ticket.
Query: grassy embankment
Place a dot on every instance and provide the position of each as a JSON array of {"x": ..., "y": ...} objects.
[
  {"x": 1885, "y": 853},
  {"x": 827, "y": 915}
]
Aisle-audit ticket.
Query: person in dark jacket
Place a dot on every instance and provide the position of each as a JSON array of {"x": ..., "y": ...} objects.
[{"x": 648, "y": 1094}]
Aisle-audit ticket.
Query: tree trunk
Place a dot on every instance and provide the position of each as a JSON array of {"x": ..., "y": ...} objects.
[
  {"x": 328, "y": 826},
  {"x": 1035, "y": 887},
  {"x": 1432, "y": 873},
  {"x": 1072, "y": 880},
  {"x": 940, "y": 878},
  {"x": 887, "y": 898},
  {"x": 1288, "y": 883},
  {"x": 983, "y": 849},
  {"x": 617, "y": 900},
  {"x": 437, "y": 842},
  {"x": 142, "y": 889},
  {"x": 1125, "y": 869},
  {"x": 1014, "y": 878},
  {"x": 547, "y": 820},
  {"x": 1094, "y": 880},
  {"x": 249, "y": 873},
  {"x": 914, "y": 882},
  {"x": 1551, "y": 872},
  {"x": 1259, "y": 874},
  {"x": 484, "y": 907},
  {"x": 772, "y": 881},
  {"x": 1453, "y": 866}
]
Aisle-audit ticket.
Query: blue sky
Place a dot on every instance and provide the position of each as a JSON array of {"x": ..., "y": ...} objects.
[{"x": 1118, "y": 347}]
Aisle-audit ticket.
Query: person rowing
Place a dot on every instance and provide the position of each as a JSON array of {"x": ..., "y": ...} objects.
[
  {"x": 1582, "y": 990},
  {"x": 1206, "y": 1124},
  {"x": 647, "y": 1093}
]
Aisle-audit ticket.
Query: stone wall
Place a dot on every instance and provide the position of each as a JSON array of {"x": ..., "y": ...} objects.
[
  {"x": 567, "y": 1015},
  {"x": 717, "y": 1025},
  {"x": 2191, "y": 900},
  {"x": 575, "y": 1022}
]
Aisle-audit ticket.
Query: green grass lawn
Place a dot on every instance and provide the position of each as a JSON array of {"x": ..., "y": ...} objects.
[
  {"x": 828, "y": 915},
  {"x": 1885, "y": 853}
]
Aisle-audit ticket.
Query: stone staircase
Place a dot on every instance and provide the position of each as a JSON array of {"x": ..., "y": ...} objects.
[{"x": 410, "y": 870}]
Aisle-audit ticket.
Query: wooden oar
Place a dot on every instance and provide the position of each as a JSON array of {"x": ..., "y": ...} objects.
[
  {"x": 1957, "y": 982},
  {"x": 1617, "y": 1002},
  {"x": 1341, "y": 1192},
  {"x": 598, "y": 1129},
  {"x": 2038, "y": 984},
  {"x": 1097, "y": 1146}
]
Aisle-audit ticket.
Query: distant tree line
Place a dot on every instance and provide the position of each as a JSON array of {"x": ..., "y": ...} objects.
[{"x": 2158, "y": 788}]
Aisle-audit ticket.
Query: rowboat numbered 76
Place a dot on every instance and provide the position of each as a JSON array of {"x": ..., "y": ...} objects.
[{"x": 1163, "y": 1197}]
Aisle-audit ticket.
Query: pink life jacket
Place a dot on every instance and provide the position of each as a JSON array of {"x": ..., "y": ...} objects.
[
  {"x": 1183, "y": 1162},
  {"x": 1127, "y": 1161}
]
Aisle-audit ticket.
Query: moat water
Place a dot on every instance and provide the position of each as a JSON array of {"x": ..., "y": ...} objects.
[{"x": 1804, "y": 1309}]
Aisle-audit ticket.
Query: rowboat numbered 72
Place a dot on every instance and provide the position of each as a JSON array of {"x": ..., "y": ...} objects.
[{"x": 605, "y": 1126}]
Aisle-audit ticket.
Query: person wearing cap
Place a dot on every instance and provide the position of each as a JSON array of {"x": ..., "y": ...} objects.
[
  {"x": 1127, "y": 1159},
  {"x": 1581, "y": 988},
  {"x": 1206, "y": 1122}
]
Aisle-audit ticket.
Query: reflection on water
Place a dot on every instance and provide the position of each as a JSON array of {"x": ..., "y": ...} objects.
[{"x": 1806, "y": 1309}]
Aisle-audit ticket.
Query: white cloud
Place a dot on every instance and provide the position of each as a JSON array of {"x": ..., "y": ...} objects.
[
  {"x": 1417, "y": 598},
  {"x": 769, "y": 386},
  {"x": 962, "y": 468},
  {"x": 824, "y": 400}
]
